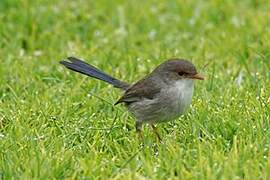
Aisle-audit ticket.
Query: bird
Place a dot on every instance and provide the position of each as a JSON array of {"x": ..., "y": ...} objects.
[{"x": 161, "y": 96}]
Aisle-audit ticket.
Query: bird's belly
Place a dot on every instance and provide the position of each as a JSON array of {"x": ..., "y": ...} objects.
[{"x": 168, "y": 105}]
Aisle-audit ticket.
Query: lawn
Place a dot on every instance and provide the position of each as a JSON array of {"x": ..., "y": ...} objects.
[{"x": 56, "y": 124}]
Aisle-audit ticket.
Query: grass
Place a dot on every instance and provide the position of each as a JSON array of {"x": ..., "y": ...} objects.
[{"x": 55, "y": 124}]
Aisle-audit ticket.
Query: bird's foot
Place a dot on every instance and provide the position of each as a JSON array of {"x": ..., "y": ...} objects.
[{"x": 156, "y": 132}]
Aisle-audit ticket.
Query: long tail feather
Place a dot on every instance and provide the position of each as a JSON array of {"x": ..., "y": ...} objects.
[{"x": 89, "y": 70}]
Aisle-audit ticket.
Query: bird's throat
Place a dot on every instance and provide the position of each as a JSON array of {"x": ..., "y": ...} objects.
[{"x": 183, "y": 91}]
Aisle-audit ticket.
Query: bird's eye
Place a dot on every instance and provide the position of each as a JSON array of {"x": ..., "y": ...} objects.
[{"x": 181, "y": 73}]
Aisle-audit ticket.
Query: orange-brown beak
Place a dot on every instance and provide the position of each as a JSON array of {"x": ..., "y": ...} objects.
[{"x": 197, "y": 76}]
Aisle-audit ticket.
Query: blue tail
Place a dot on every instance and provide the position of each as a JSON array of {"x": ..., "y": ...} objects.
[{"x": 89, "y": 70}]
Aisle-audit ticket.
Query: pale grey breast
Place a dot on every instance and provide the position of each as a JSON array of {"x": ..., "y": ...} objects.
[{"x": 169, "y": 104}]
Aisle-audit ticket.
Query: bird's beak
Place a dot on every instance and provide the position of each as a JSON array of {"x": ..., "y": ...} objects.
[{"x": 197, "y": 76}]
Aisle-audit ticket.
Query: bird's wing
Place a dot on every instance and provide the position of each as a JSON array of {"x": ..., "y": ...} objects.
[{"x": 145, "y": 88}]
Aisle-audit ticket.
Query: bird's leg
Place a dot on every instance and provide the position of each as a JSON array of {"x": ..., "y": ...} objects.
[
  {"x": 156, "y": 132},
  {"x": 139, "y": 130}
]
